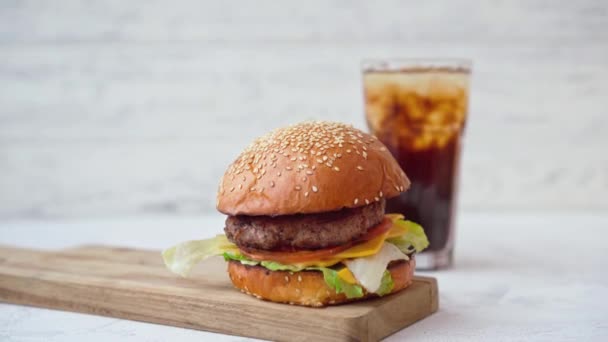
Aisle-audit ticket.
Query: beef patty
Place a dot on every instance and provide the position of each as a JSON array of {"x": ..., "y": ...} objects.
[{"x": 303, "y": 231}]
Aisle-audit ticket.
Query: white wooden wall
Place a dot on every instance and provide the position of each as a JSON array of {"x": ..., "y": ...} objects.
[{"x": 128, "y": 107}]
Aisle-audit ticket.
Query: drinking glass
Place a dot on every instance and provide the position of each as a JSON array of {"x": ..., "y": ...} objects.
[{"x": 418, "y": 109}]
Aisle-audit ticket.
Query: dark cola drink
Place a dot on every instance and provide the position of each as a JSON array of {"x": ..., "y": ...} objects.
[{"x": 419, "y": 111}]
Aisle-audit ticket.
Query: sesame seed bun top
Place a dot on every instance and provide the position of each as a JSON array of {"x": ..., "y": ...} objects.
[{"x": 310, "y": 167}]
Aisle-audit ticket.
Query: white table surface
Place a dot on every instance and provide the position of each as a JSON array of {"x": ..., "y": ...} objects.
[{"x": 521, "y": 276}]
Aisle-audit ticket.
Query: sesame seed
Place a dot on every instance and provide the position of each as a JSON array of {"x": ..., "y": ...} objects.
[
  {"x": 366, "y": 201},
  {"x": 232, "y": 189},
  {"x": 324, "y": 158},
  {"x": 382, "y": 148},
  {"x": 279, "y": 174},
  {"x": 396, "y": 187},
  {"x": 376, "y": 199},
  {"x": 359, "y": 167},
  {"x": 364, "y": 154},
  {"x": 315, "y": 189},
  {"x": 293, "y": 159},
  {"x": 336, "y": 168},
  {"x": 401, "y": 188},
  {"x": 252, "y": 188},
  {"x": 356, "y": 201},
  {"x": 308, "y": 172},
  {"x": 381, "y": 194},
  {"x": 306, "y": 194},
  {"x": 288, "y": 168},
  {"x": 299, "y": 278},
  {"x": 240, "y": 186},
  {"x": 348, "y": 151},
  {"x": 272, "y": 184},
  {"x": 297, "y": 188},
  {"x": 286, "y": 278},
  {"x": 304, "y": 179}
]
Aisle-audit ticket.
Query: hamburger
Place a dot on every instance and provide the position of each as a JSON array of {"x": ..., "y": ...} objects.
[{"x": 305, "y": 219}]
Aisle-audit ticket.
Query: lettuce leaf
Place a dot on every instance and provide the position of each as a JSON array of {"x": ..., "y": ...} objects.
[
  {"x": 182, "y": 257},
  {"x": 386, "y": 284},
  {"x": 239, "y": 257},
  {"x": 413, "y": 241},
  {"x": 276, "y": 266},
  {"x": 271, "y": 265},
  {"x": 340, "y": 286}
]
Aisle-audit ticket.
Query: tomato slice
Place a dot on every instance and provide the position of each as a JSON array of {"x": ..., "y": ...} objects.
[
  {"x": 382, "y": 227},
  {"x": 294, "y": 257}
]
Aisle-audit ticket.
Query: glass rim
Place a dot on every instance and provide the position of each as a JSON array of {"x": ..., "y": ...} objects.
[{"x": 402, "y": 64}]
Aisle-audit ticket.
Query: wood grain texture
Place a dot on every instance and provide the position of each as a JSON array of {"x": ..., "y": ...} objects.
[
  {"x": 133, "y": 284},
  {"x": 123, "y": 108}
]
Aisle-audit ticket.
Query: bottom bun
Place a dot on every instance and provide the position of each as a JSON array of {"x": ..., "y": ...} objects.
[{"x": 306, "y": 288}]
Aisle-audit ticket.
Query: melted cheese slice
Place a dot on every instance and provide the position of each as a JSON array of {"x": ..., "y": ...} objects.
[
  {"x": 319, "y": 263},
  {"x": 361, "y": 250},
  {"x": 347, "y": 276},
  {"x": 372, "y": 246},
  {"x": 369, "y": 270}
]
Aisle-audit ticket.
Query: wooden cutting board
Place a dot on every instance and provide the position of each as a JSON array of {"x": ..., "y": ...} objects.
[{"x": 134, "y": 284}]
